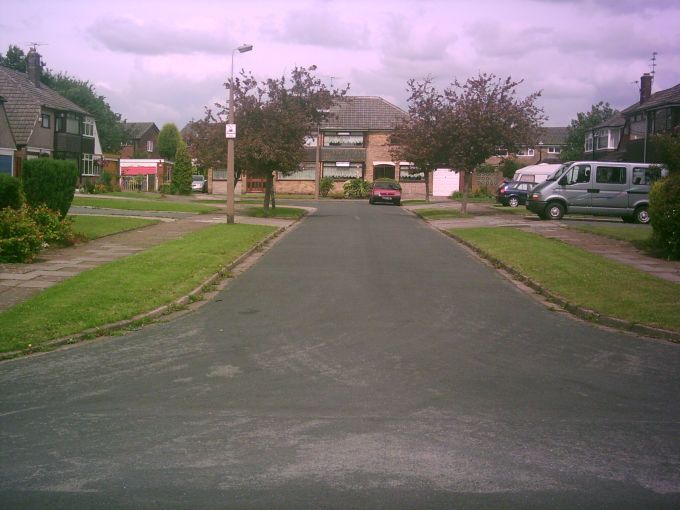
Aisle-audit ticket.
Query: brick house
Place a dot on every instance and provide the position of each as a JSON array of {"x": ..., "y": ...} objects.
[
  {"x": 350, "y": 143},
  {"x": 546, "y": 149},
  {"x": 46, "y": 124},
  {"x": 626, "y": 135},
  {"x": 142, "y": 140}
]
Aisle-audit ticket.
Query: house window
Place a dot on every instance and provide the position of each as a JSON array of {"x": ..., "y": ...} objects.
[
  {"x": 526, "y": 152},
  {"x": 89, "y": 168},
  {"x": 149, "y": 146},
  {"x": 662, "y": 120},
  {"x": 343, "y": 170},
  {"x": 410, "y": 173},
  {"x": 88, "y": 128},
  {"x": 310, "y": 141},
  {"x": 45, "y": 120},
  {"x": 343, "y": 139},
  {"x": 68, "y": 123},
  {"x": 607, "y": 139},
  {"x": 554, "y": 150},
  {"x": 589, "y": 142},
  {"x": 502, "y": 153},
  {"x": 307, "y": 172}
]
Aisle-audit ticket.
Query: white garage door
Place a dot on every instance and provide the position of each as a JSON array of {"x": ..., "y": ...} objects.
[{"x": 445, "y": 182}]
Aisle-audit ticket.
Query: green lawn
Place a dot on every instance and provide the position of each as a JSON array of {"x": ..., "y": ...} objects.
[
  {"x": 580, "y": 277},
  {"x": 440, "y": 213},
  {"x": 634, "y": 234},
  {"x": 414, "y": 201},
  {"x": 126, "y": 287},
  {"x": 287, "y": 196},
  {"x": 289, "y": 213},
  {"x": 93, "y": 227},
  {"x": 144, "y": 205},
  {"x": 143, "y": 195}
]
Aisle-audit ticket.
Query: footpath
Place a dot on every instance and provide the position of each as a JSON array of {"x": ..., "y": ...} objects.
[
  {"x": 20, "y": 281},
  {"x": 621, "y": 251}
]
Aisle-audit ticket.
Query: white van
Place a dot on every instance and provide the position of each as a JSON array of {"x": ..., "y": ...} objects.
[{"x": 535, "y": 173}]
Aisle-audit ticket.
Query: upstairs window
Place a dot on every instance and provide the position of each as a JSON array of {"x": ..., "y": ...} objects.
[
  {"x": 310, "y": 141},
  {"x": 45, "y": 120},
  {"x": 343, "y": 139},
  {"x": 68, "y": 123},
  {"x": 149, "y": 146},
  {"x": 88, "y": 128}
]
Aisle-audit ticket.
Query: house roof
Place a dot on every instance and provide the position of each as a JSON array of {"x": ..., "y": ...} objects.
[
  {"x": 665, "y": 97},
  {"x": 138, "y": 129},
  {"x": 553, "y": 135},
  {"x": 367, "y": 113},
  {"x": 617, "y": 120},
  {"x": 6, "y": 136},
  {"x": 25, "y": 100}
]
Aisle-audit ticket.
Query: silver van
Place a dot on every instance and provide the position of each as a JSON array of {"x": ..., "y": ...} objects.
[{"x": 602, "y": 188}]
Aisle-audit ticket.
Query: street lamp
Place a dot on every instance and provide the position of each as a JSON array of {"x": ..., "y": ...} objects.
[{"x": 231, "y": 134}]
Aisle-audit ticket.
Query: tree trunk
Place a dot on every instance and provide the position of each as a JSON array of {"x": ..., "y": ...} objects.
[
  {"x": 267, "y": 194},
  {"x": 273, "y": 193},
  {"x": 463, "y": 207}
]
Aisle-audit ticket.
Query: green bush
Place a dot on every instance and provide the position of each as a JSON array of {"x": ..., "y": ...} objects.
[
  {"x": 11, "y": 194},
  {"x": 165, "y": 188},
  {"x": 325, "y": 186},
  {"x": 50, "y": 182},
  {"x": 20, "y": 236},
  {"x": 53, "y": 229},
  {"x": 88, "y": 187},
  {"x": 508, "y": 167},
  {"x": 664, "y": 211},
  {"x": 356, "y": 188},
  {"x": 108, "y": 182}
]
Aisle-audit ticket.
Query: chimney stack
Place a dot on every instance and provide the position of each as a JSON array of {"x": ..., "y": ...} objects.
[
  {"x": 33, "y": 66},
  {"x": 645, "y": 87}
]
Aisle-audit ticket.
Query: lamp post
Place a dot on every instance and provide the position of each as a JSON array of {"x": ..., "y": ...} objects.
[{"x": 231, "y": 179}]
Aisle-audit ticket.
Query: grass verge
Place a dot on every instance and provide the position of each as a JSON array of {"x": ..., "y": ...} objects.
[
  {"x": 289, "y": 213},
  {"x": 631, "y": 233},
  {"x": 440, "y": 213},
  {"x": 144, "y": 205},
  {"x": 93, "y": 227},
  {"x": 581, "y": 278},
  {"x": 127, "y": 287}
]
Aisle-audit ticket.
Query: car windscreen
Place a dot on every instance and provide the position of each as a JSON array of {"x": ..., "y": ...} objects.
[{"x": 197, "y": 178}]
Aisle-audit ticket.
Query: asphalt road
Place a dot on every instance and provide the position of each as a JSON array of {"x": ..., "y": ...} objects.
[{"x": 366, "y": 361}]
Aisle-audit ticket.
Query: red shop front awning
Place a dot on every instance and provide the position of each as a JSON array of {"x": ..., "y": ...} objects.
[{"x": 139, "y": 170}]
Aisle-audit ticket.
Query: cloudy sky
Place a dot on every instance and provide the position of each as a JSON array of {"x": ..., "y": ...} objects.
[{"x": 163, "y": 61}]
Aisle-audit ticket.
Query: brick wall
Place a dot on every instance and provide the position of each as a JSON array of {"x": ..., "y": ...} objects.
[
  {"x": 377, "y": 149},
  {"x": 295, "y": 187}
]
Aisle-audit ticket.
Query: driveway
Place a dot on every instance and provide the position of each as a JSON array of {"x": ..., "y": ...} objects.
[{"x": 366, "y": 361}]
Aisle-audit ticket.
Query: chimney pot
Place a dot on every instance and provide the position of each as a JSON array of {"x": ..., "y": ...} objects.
[{"x": 645, "y": 87}]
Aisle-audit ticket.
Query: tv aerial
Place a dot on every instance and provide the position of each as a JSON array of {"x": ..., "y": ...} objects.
[{"x": 34, "y": 45}]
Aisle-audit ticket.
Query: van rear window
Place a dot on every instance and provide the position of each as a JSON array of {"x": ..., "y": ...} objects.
[{"x": 646, "y": 175}]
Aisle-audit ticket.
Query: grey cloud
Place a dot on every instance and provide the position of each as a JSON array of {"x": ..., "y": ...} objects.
[
  {"x": 413, "y": 42},
  {"x": 320, "y": 28},
  {"x": 128, "y": 36},
  {"x": 490, "y": 38},
  {"x": 616, "y": 6}
]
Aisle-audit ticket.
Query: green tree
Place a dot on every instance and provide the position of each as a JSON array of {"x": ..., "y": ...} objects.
[
  {"x": 273, "y": 118},
  {"x": 484, "y": 114},
  {"x": 168, "y": 140},
  {"x": 181, "y": 173},
  {"x": 509, "y": 166},
  {"x": 418, "y": 138},
  {"x": 15, "y": 58},
  {"x": 581, "y": 126}
]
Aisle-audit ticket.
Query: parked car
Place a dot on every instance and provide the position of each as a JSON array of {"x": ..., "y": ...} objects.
[
  {"x": 199, "y": 183},
  {"x": 513, "y": 193},
  {"x": 603, "y": 188},
  {"x": 387, "y": 191}
]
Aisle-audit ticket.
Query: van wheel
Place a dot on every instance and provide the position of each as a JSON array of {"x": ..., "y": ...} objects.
[
  {"x": 641, "y": 215},
  {"x": 555, "y": 211},
  {"x": 513, "y": 201}
]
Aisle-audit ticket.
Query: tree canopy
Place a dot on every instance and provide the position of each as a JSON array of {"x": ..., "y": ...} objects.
[
  {"x": 168, "y": 140},
  {"x": 581, "y": 126},
  {"x": 273, "y": 117},
  {"x": 465, "y": 124}
]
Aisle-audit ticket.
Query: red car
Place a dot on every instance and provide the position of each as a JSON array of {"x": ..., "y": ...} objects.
[{"x": 385, "y": 191}]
